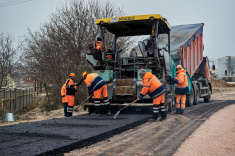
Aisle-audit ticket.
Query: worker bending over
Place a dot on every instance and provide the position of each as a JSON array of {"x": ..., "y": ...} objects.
[
  {"x": 97, "y": 85},
  {"x": 70, "y": 93},
  {"x": 155, "y": 89},
  {"x": 181, "y": 89}
]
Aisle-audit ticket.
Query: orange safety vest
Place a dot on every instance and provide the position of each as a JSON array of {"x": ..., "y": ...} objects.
[
  {"x": 63, "y": 93},
  {"x": 94, "y": 81},
  {"x": 152, "y": 86},
  {"x": 70, "y": 88},
  {"x": 181, "y": 87},
  {"x": 98, "y": 47}
]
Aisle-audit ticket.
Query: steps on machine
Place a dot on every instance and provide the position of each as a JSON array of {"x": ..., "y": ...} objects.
[{"x": 124, "y": 87}]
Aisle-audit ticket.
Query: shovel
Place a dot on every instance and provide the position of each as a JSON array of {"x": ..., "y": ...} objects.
[
  {"x": 118, "y": 112},
  {"x": 76, "y": 109}
]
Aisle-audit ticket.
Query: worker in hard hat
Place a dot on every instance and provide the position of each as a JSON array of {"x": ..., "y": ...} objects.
[
  {"x": 64, "y": 99},
  {"x": 155, "y": 89},
  {"x": 181, "y": 89},
  {"x": 98, "y": 45},
  {"x": 97, "y": 85},
  {"x": 70, "y": 93}
]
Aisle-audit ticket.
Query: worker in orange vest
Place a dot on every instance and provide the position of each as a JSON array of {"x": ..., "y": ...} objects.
[
  {"x": 155, "y": 89},
  {"x": 97, "y": 85},
  {"x": 98, "y": 44},
  {"x": 64, "y": 99},
  {"x": 70, "y": 93},
  {"x": 181, "y": 89}
]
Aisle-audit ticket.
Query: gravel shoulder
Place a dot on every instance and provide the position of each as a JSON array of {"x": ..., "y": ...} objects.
[{"x": 216, "y": 136}]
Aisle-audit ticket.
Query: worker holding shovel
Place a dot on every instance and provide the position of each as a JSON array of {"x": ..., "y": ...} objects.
[
  {"x": 155, "y": 89},
  {"x": 97, "y": 85}
]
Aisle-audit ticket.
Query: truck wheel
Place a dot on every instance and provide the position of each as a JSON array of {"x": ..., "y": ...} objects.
[
  {"x": 207, "y": 99},
  {"x": 196, "y": 96},
  {"x": 190, "y": 98}
]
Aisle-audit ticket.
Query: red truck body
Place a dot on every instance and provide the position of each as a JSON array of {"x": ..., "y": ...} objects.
[{"x": 187, "y": 50}]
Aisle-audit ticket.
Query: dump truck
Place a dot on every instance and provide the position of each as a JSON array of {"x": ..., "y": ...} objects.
[
  {"x": 186, "y": 42},
  {"x": 121, "y": 72}
]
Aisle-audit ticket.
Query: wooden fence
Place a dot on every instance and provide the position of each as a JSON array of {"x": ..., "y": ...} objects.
[{"x": 15, "y": 99}]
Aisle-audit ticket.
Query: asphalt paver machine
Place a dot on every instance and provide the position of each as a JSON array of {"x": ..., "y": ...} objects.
[{"x": 121, "y": 71}]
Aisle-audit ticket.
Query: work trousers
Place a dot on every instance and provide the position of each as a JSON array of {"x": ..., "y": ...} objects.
[
  {"x": 70, "y": 111},
  {"x": 97, "y": 95},
  {"x": 159, "y": 107},
  {"x": 71, "y": 100},
  {"x": 65, "y": 108},
  {"x": 182, "y": 99},
  {"x": 180, "y": 106}
]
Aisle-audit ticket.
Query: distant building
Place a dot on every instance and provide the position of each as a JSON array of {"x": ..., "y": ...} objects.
[
  {"x": 9, "y": 81},
  {"x": 223, "y": 69},
  {"x": 214, "y": 74},
  {"x": 35, "y": 81}
]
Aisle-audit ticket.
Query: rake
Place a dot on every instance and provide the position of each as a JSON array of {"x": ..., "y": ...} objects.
[
  {"x": 76, "y": 109},
  {"x": 118, "y": 112}
]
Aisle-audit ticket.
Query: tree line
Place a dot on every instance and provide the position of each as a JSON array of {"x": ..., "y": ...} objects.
[{"x": 59, "y": 47}]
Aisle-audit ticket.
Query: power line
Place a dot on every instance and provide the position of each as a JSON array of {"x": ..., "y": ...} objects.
[{"x": 13, "y": 3}]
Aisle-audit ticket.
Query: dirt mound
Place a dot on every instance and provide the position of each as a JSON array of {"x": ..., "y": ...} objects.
[{"x": 221, "y": 83}]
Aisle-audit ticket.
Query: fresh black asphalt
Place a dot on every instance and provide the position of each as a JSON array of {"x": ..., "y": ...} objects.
[{"x": 60, "y": 135}]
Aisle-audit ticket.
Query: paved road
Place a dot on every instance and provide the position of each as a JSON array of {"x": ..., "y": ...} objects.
[{"x": 51, "y": 137}]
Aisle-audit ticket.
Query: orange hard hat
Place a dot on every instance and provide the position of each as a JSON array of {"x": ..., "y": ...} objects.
[
  {"x": 72, "y": 74},
  {"x": 179, "y": 67},
  {"x": 84, "y": 73}
]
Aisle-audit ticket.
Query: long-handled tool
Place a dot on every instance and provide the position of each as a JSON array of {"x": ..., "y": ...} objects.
[
  {"x": 115, "y": 116},
  {"x": 76, "y": 109}
]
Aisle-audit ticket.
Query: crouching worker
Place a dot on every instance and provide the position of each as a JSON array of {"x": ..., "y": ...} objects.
[
  {"x": 70, "y": 93},
  {"x": 181, "y": 89},
  {"x": 97, "y": 85},
  {"x": 64, "y": 99},
  {"x": 155, "y": 89}
]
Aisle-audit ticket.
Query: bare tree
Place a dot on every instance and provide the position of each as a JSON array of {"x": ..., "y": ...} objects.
[
  {"x": 230, "y": 65},
  {"x": 60, "y": 46},
  {"x": 9, "y": 57}
]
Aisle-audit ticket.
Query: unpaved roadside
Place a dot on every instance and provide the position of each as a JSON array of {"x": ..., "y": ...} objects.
[{"x": 215, "y": 137}]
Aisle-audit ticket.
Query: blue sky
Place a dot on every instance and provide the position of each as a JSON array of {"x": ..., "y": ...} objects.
[{"x": 217, "y": 15}]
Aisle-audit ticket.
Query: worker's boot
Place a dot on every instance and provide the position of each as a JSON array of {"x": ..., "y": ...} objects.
[
  {"x": 155, "y": 113},
  {"x": 181, "y": 111},
  {"x": 163, "y": 111},
  {"x": 108, "y": 109},
  {"x": 107, "y": 105},
  {"x": 177, "y": 111},
  {"x": 70, "y": 111},
  {"x": 96, "y": 111},
  {"x": 96, "y": 108}
]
